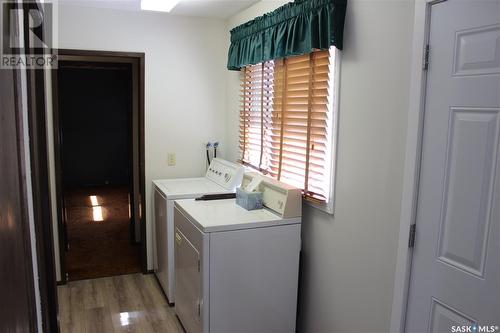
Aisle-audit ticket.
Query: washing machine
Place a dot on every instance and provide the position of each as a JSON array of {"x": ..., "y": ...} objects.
[
  {"x": 237, "y": 270},
  {"x": 221, "y": 177}
]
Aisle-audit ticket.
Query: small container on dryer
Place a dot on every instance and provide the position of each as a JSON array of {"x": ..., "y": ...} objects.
[{"x": 248, "y": 200}]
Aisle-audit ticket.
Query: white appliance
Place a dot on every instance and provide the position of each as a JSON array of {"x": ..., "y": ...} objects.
[
  {"x": 237, "y": 270},
  {"x": 221, "y": 177}
]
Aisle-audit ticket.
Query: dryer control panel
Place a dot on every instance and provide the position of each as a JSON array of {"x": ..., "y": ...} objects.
[
  {"x": 227, "y": 174},
  {"x": 283, "y": 199}
]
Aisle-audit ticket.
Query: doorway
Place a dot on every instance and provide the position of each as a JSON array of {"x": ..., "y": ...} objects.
[{"x": 99, "y": 163}]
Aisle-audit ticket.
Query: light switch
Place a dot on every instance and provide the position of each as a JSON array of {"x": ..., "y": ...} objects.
[{"x": 171, "y": 159}]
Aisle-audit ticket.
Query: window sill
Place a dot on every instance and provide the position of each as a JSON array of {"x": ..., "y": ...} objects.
[{"x": 326, "y": 207}]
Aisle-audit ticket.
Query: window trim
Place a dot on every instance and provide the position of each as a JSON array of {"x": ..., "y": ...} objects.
[{"x": 329, "y": 206}]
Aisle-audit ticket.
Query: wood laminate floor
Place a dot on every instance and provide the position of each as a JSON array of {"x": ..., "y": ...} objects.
[{"x": 125, "y": 303}]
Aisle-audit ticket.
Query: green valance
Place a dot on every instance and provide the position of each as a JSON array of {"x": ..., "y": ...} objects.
[{"x": 296, "y": 28}]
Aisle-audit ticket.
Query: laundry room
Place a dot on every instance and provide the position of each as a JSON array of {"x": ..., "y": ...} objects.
[{"x": 224, "y": 166}]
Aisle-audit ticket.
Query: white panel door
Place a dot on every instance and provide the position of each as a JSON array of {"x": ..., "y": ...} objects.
[{"x": 455, "y": 278}]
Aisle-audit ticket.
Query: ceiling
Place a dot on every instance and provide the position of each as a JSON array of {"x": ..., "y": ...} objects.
[{"x": 222, "y": 9}]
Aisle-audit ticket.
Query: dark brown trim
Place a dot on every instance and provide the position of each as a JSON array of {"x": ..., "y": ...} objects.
[
  {"x": 23, "y": 199},
  {"x": 41, "y": 199},
  {"x": 17, "y": 288},
  {"x": 96, "y": 53},
  {"x": 61, "y": 231},
  {"x": 33, "y": 121},
  {"x": 137, "y": 61},
  {"x": 142, "y": 164},
  {"x": 42, "y": 213}
]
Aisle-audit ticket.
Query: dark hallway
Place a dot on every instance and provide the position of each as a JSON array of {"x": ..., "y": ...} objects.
[{"x": 95, "y": 116}]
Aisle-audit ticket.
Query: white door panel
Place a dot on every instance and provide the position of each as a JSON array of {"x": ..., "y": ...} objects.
[
  {"x": 468, "y": 188},
  {"x": 455, "y": 277},
  {"x": 443, "y": 318}
]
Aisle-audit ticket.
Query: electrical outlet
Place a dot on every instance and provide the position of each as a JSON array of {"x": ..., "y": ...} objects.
[{"x": 171, "y": 159}]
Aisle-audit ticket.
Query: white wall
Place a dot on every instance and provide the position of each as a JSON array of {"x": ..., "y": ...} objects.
[
  {"x": 184, "y": 81},
  {"x": 349, "y": 259}
]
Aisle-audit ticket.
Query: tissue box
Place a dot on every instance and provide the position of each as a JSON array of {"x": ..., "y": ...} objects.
[{"x": 248, "y": 200}]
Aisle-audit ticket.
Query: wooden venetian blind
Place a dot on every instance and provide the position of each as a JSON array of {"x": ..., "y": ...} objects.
[
  {"x": 256, "y": 113},
  {"x": 285, "y": 121}
]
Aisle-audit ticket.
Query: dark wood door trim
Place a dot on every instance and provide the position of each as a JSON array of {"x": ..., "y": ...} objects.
[
  {"x": 16, "y": 281},
  {"x": 97, "y": 53},
  {"x": 41, "y": 199},
  {"x": 40, "y": 187},
  {"x": 136, "y": 59}
]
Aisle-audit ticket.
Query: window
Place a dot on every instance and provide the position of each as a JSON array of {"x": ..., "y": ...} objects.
[{"x": 287, "y": 121}]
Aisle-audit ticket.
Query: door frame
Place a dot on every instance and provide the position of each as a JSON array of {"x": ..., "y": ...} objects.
[
  {"x": 137, "y": 60},
  {"x": 411, "y": 178},
  {"x": 27, "y": 288},
  {"x": 34, "y": 80},
  {"x": 40, "y": 188}
]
